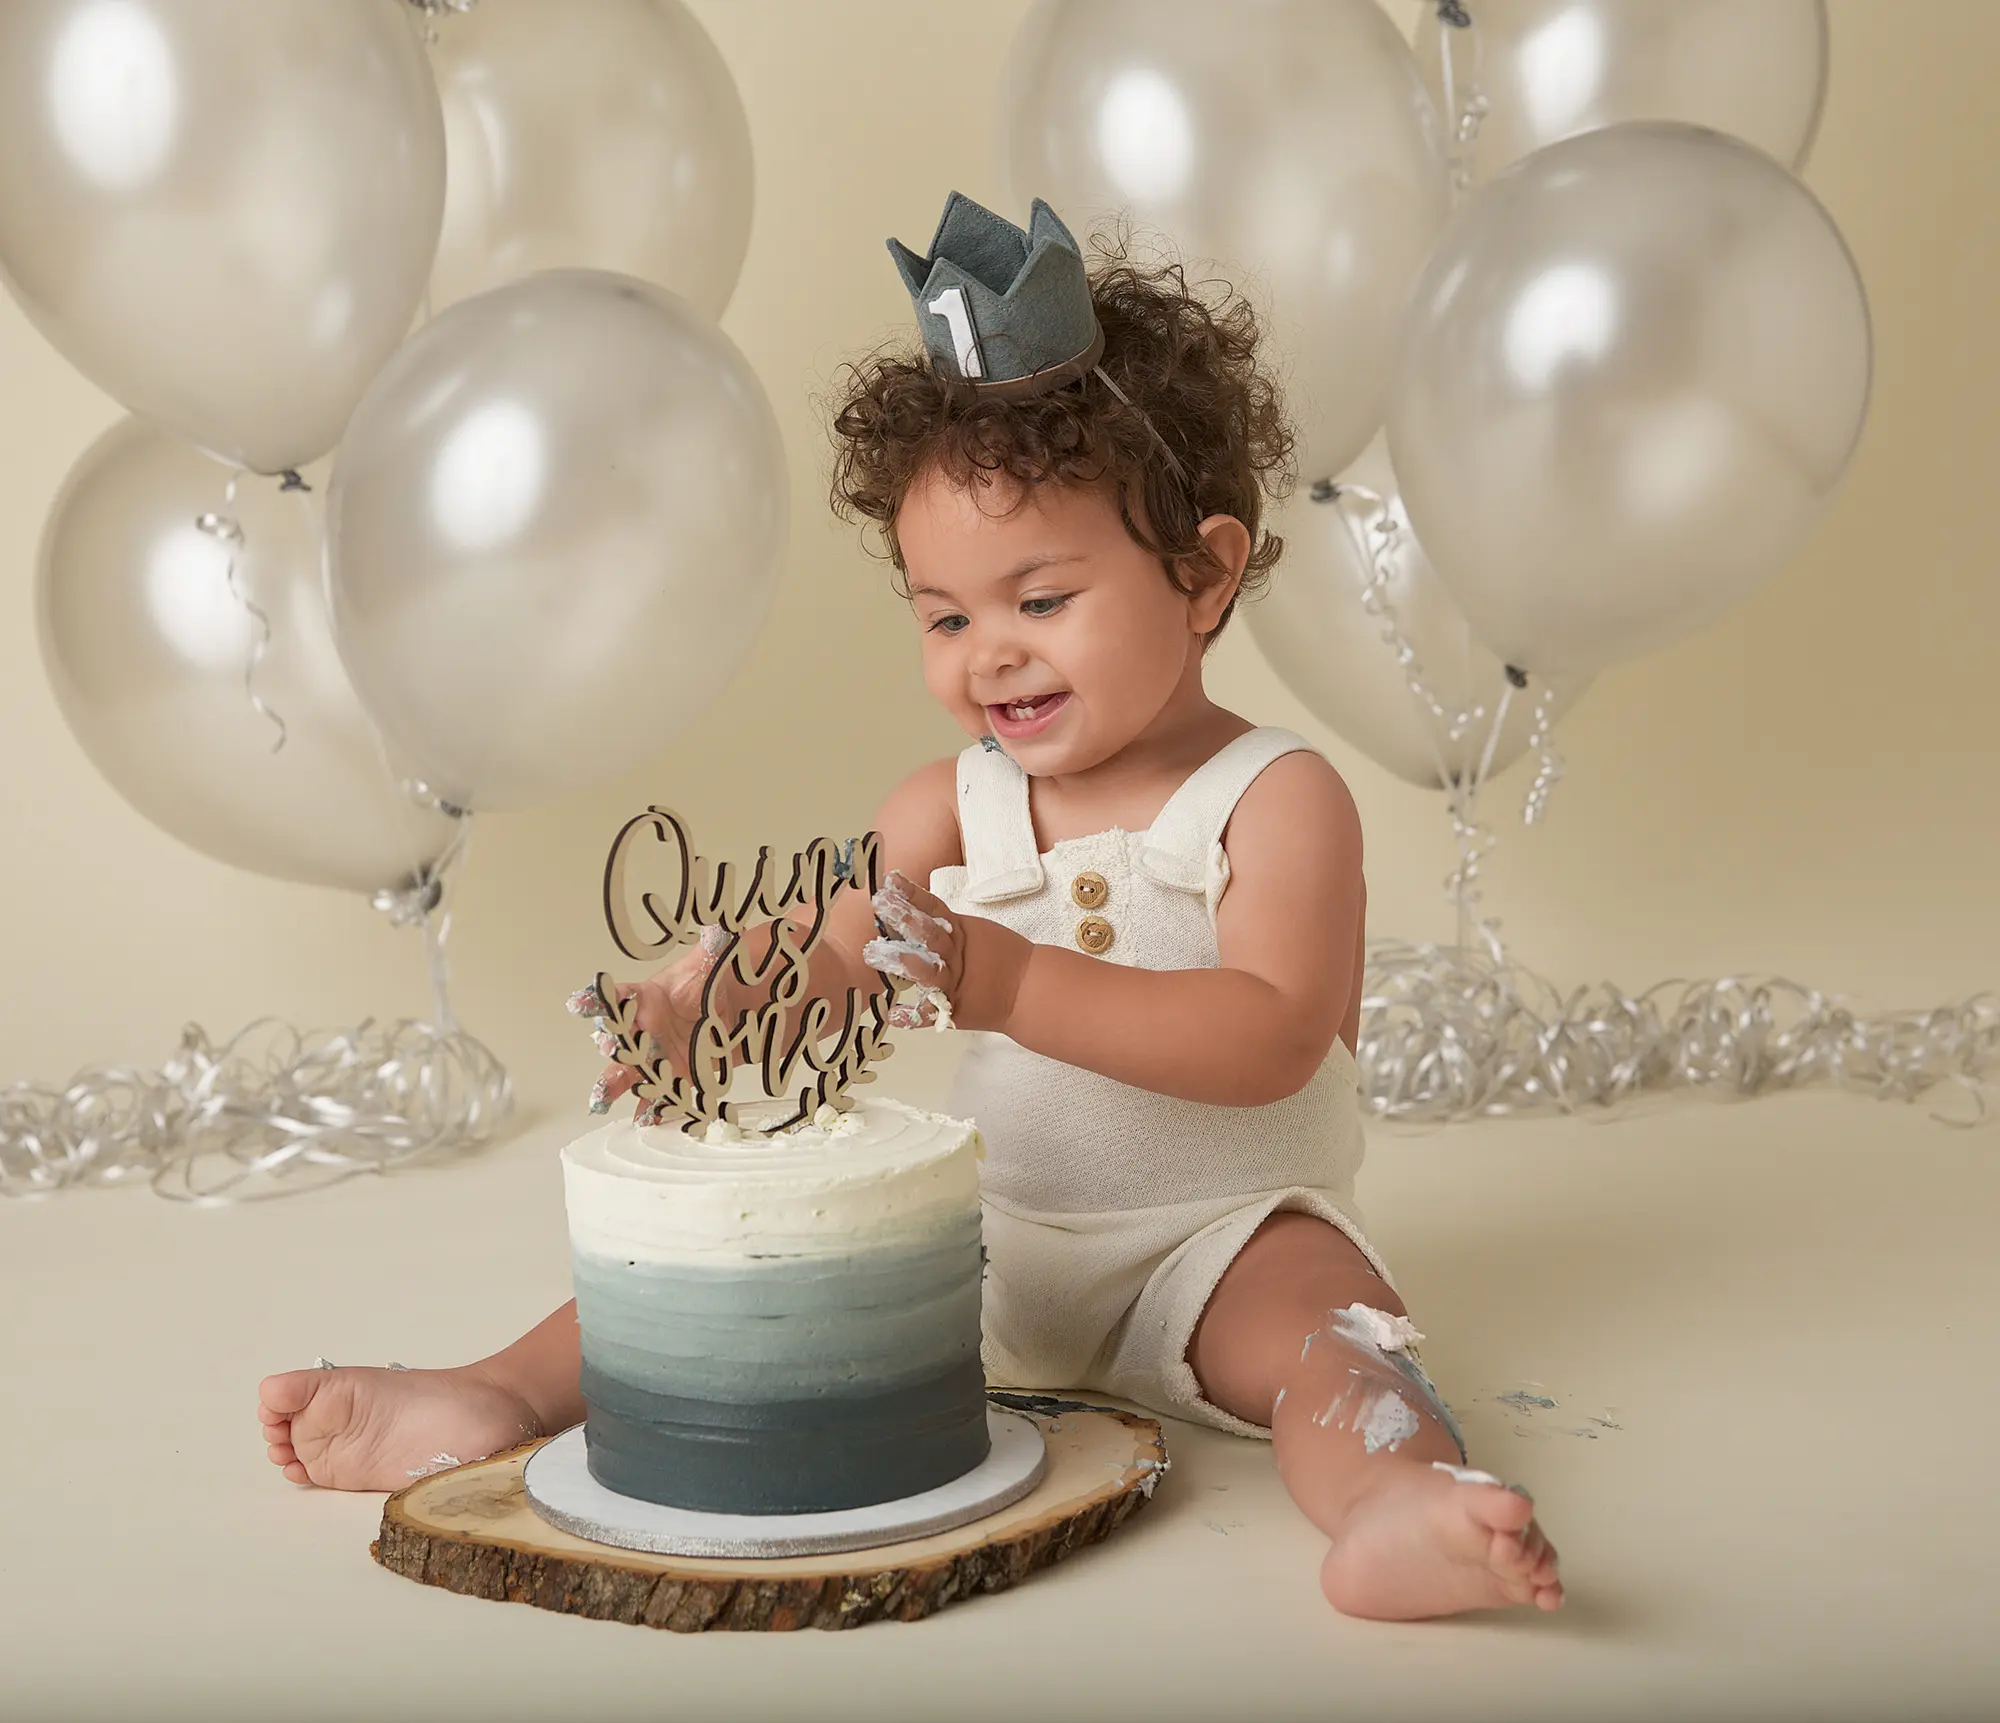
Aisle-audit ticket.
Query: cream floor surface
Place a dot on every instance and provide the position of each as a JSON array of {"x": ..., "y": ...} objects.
[{"x": 1769, "y": 1331}]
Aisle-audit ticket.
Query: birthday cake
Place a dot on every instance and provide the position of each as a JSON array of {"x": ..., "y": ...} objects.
[{"x": 779, "y": 1322}]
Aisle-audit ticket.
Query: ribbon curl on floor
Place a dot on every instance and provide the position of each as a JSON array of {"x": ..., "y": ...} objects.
[
  {"x": 273, "y": 1110},
  {"x": 266, "y": 1113},
  {"x": 1449, "y": 1032}
]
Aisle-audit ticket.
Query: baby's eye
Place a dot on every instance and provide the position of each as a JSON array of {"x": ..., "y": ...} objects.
[
  {"x": 948, "y": 625},
  {"x": 1044, "y": 606}
]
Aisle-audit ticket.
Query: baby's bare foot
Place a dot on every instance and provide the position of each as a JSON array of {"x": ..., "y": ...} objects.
[
  {"x": 1434, "y": 1540},
  {"x": 367, "y": 1429}
]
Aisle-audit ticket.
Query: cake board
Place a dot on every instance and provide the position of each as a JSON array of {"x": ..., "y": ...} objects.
[
  {"x": 473, "y": 1530},
  {"x": 562, "y": 1490}
]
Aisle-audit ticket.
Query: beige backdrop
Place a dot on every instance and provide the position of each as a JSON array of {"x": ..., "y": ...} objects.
[
  {"x": 1770, "y": 1471},
  {"x": 1807, "y": 788}
]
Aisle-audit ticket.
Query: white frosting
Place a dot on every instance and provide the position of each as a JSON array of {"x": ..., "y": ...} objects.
[
  {"x": 1387, "y": 1422},
  {"x": 1382, "y": 1330},
  {"x": 881, "y": 1171}
]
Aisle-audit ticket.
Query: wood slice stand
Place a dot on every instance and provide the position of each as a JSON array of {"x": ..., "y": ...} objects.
[{"x": 472, "y": 1530}]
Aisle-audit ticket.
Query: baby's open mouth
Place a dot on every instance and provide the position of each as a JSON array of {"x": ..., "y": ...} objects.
[{"x": 1025, "y": 716}]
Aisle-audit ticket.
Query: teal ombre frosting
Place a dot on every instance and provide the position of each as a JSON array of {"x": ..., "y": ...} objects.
[
  {"x": 785, "y": 1384},
  {"x": 783, "y": 1328},
  {"x": 786, "y": 1457}
]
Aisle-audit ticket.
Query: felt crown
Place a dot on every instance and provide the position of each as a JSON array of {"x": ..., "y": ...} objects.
[{"x": 1005, "y": 311}]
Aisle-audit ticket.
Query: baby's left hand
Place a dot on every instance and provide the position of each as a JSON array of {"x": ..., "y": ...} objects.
[{"x": 924, "y": 944}]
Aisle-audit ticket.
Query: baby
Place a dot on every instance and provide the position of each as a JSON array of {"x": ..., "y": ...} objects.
[{"x": 1149, "y": 910}]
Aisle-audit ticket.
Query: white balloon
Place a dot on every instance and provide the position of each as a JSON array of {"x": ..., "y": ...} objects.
[
  {"x": 600, "y": 134},
  {"x": 1332, "y": 653},
  {"x": 1634, "y": 374},
  {"x": 1551, "y": 69},
  {"x": 553, "y": 533},
  {"x": 223, "y": 214},
  {"x": 1291, "y": 141},
  {"x": 158, "y": 662}
]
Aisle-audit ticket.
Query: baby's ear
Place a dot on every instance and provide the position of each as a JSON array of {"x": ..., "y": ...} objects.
[{"x": 1216, "y": 577}]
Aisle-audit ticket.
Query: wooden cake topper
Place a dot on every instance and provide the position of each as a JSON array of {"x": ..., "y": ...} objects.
[{"x": 786, "y": 1040}]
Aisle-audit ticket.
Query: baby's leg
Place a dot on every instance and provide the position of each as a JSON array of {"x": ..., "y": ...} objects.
[
  {"x": 1359, "y": 1445},
  {"x": 369, "y": 1429}
]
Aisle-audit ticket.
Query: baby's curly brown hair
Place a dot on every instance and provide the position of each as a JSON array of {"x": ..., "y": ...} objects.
[{"x": 1186, "y": 359}]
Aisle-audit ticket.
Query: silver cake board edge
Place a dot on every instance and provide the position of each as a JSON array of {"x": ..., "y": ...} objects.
[{"x": 561, "y": 1490}]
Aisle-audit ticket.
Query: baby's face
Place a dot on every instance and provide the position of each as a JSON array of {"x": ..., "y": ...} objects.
[{"x": 1044, "y": 624}]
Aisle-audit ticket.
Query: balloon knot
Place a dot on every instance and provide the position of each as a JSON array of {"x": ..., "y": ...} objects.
[{"x": 406, "y": 905}]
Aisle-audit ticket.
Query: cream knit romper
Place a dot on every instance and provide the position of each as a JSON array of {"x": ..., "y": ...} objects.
[{"x": 1111, "y": 1211}]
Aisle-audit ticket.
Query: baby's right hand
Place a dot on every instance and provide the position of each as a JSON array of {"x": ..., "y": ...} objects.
[{"x": 669, "y": 1006}]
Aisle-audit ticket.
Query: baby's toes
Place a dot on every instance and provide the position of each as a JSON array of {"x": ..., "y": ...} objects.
[
  {"x": 1547, "y": 1566},
  {"x": 287, "y": 1394},
  {"x": 1498, "y": 1509},
  {"x": 1538, "y": 1571},
  {"x": 1512, "y": 1565}
]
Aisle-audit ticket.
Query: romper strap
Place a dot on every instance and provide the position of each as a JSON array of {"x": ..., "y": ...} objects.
[
  {"x": 1183, "y": 841},
  {"x": 998, "y": 832}
]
